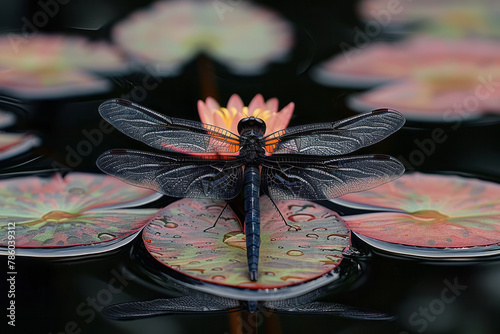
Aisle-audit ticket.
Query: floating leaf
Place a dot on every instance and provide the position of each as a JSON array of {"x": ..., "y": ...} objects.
[
  {"x": 383, "y": 62},
  {"x": 12, "y": 144},
  {"x": 426, "y": 210},
  {"x": 170, "y": 33},
  {"x": 52, "y": 66},
  {"x": 439, "y": 97},
  {"x": 6, "y": 119},
  {"x": 457, "y": 18},
  {"x": 181, "y": 238},
  {"x": 78, "y": 209}
]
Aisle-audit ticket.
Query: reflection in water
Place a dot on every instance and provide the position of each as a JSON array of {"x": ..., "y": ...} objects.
[{"x": 212, "y": 298}]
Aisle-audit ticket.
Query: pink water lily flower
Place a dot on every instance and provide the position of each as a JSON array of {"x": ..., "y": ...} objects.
[{"x": 227, "y": 118}]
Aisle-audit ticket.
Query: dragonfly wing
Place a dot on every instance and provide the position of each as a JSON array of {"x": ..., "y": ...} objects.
[
  {"x": 176, "y": 176},
  {"x": 167, "y": 133},
  {"x": 336, "y": 138},
  {"x": 325, "y": 178},
  {"x": 164, "y": 306}
]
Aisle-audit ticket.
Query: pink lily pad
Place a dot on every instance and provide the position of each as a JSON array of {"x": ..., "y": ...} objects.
[
  {"x": 179, "y": 237},
  {"x": 168, "y": 34},
  {"x": 12, "y": 144},
  {"x": 383, "y": 62},
  {"x": 450, "y": 18},
  {"x": 427, "y": 210},
  {"x": 32, "y": 85},
  {"x": 61, "y": 212},
  {"x": 6, "y": 119},
  {"x": 53, "y": 65},
  {"x": 421, "y": 101}
]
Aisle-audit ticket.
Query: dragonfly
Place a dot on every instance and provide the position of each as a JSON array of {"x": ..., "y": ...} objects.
[{"x": 305, "y": 162}]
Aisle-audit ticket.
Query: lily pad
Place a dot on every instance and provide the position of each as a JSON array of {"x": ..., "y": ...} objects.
[
  {"x": 12, "y": 144},
  {"x": 432, "y": 99},
  {"x": 429, "y": 210},
  {"x": 48, "y": 66},
  {"x": 180, "y": 237},
  {"x": 451, "y": 19},
  {"x": 386, "y": 62},
  {"x": 169, "y": 34},
  {"x": 60, "y": 212},
  {"x": 6, "y": 119}
]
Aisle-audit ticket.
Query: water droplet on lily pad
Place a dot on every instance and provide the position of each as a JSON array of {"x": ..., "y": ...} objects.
[
  {"x": 301, "y": 217},
  {"x": 106, "y": 236},
  {"x": 335, "y": 236},
  {"x": 295, "y": 253}
]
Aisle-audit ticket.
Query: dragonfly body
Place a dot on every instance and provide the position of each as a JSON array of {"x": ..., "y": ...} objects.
[
  {"x": 251, "y": 193},
  {"x": 252, "y": 131},
  {"x": 204, "y": 161}
]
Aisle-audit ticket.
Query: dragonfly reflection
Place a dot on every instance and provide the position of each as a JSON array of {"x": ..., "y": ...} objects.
[{"x": 218, "y": 164}]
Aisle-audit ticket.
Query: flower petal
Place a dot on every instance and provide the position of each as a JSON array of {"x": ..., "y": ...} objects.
[
  {"x": 256, "y": 103},
  {"x": 272, "y": 105},
  {"x": 235, "y": 102},
  {"x": 281, "y": 119},
  {"x": 206, "y": 116},
  {"x": 211, "y": 104}
]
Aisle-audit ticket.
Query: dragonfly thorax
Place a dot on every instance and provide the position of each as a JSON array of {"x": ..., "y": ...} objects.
[{"x": 252, "y": 124}]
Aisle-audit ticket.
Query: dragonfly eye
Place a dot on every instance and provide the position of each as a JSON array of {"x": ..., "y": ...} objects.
[{"x": 251, "y": 123}]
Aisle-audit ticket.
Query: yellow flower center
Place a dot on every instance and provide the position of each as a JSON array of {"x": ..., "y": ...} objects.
[
  {"x": 228, "y": 115},
  {"x": 262, "y": 114}
]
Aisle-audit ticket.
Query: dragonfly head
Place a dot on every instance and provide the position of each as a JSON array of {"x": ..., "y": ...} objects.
[{"x": 252, "y": 123}]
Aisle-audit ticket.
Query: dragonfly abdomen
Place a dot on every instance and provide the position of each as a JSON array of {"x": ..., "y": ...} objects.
[{"x": 251, "y": 190}]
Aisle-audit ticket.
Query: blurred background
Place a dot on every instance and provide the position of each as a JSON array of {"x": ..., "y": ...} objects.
[{"x": 436, "y": 62}]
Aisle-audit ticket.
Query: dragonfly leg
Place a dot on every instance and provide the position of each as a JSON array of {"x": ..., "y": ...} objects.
[
  {"x": 281, "y": 215},
  {"x": 218, "y": 217}
]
